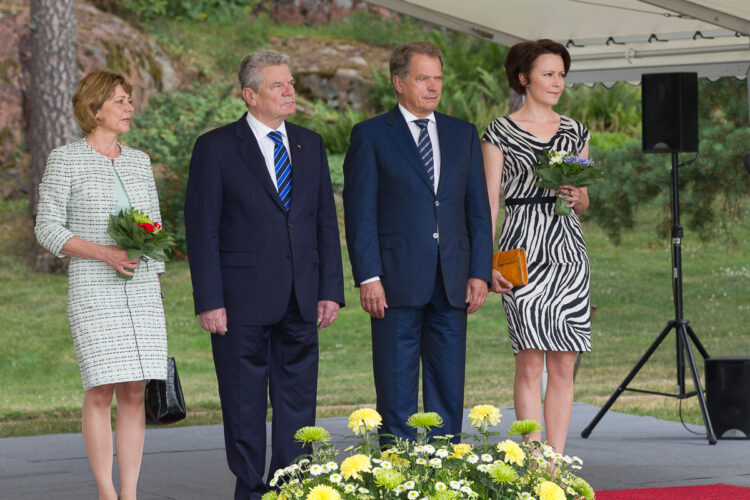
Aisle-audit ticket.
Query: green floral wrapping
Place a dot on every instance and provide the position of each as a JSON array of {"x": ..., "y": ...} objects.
[{"x": 559, "y": 168}]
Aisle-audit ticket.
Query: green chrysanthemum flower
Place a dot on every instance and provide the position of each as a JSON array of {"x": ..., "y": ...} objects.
[
  {"x": 583, "y": 488},
  {"x": 312, "y": 434},
  {"x": 503, "y": 473},
  {"x": 524, "y": 427},
  {"x": 426, "y": 420},
  {"x": 444, "y": 495},
  {"x": 269, "y": 495},
  {"x": 388, "y": 478}
]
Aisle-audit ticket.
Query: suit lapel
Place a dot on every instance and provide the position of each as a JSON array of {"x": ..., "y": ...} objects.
[
  {"x": 446, "y": 151},
  {"x": 400, "y": 134},
  {"x": 253, "y": 158},
  {"x": 297, "y": 154}
]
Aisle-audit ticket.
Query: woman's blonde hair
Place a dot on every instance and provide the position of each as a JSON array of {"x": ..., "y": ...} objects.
[{"x": 93, "y": 90}]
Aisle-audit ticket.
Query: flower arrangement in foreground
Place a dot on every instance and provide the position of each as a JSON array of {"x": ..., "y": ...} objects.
[
  {"x": 558, "y": 168},
  {"x": 435, "y": 469},
  {"x": 136, "y": 233}
]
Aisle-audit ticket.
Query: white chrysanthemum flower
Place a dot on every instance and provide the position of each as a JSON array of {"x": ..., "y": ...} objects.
[
  {"x": 467, "y": 490},
  {"x": 429, "y": 449},
  {"x": 412, "y": 495},
  {"x": 293, "y": 467},
  {"x": 440, "y": 486},
  {"x": 317, "y": 469},
  {"x": 398, "y": 489},
  {"x": 294, "y": 481},
  {"x": 349, "y": 488},
  {"x": 571, "y": 491},
  {"x": 332, "y": 466},
  {"x": 304, "y": 461},
  {"x": 576, "y": 467},
  {"x": 274, "y": 481},
  {"x": 455, "y": 485},
  {"x": 483, "y": 467},
  {"x": 421, "y": 461},
  {"x": 375, "y": 460},
  {"x": 410, "y": 485},
  {"x": 486, "y": 457},
  {"x": 436, "y": 463},
  {"x": 364, "y": 491},
  {"x": 473, "y": 494},
  {"x": 567, "y": 459},
  {"x": 578, "y": 460},
  {"x": 335, "y": 478},
  {"x": 557, "y": 456},
  {"x": 386, "y": 465},
  {"x": 527, "y": 496},
  {"x": 472, "y": 459},
  {"x": 442, "y": 453},
  {"x": 541, "y": 462},
  {"x": 376, "y": 469},
  {"x": 419, "y": 449}
]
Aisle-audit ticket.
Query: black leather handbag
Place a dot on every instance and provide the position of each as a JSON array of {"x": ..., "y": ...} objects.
[{"x": 164, "y": 401}]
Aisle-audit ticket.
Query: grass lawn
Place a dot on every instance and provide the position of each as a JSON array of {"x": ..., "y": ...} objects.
[{"x": 631, "y": 285}]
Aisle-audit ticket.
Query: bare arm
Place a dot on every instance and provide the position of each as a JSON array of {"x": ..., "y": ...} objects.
[{"x": 493, "y": 172}]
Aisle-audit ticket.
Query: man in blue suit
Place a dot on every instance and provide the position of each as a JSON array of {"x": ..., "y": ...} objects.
[
  {"x": 419, "y": 237},
  {"x": 265, "y": 261}
]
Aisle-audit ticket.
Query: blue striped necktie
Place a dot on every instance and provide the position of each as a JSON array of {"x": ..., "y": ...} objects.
[
  {"x": 283, "y": 168},
  {"x": 424, "y": 145}
]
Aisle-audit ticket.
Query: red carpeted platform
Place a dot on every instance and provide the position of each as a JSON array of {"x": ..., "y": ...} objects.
[{"x": 703, "y": 492}]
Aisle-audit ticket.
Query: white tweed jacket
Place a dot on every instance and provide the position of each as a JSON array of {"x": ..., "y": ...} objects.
[{"x": 77, "y": 195}]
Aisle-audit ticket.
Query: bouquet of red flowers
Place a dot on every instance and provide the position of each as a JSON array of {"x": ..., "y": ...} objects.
[{"x": 137, "y": 234}]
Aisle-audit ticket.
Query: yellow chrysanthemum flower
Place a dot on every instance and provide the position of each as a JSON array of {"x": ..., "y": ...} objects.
[
  {"x": 484, "y": 415},
  {"x": 461, "y": 449},
  {"x": 352, "y": 466},
  {"x": 364, "y": 419},
  {"x": 323, "y": 492},
  {"x": 547, "y": 490},
  {"x": 513, "y": 452}
]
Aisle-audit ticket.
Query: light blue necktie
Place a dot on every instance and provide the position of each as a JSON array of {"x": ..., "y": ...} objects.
[
  {"x": 283, "y": 168},
  {"x": 424, "y": 145}
]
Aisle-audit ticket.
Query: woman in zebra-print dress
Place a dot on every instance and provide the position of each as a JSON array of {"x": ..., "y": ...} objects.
[{"x": 550, "y": 315}]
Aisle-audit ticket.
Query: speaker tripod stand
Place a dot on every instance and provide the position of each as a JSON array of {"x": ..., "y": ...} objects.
[{"x": 681, "y": 327}]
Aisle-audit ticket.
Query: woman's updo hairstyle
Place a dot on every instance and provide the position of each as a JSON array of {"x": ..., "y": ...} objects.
[{"x": 521, "y": 57}]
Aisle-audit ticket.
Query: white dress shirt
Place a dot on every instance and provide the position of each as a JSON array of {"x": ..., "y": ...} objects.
[
  {"x": 415, "y": 131},
  {"x": 432, "y": 130},
  {"x": 267, "y": 145}
]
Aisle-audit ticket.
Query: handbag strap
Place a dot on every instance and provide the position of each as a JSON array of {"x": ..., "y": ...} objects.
[{"x": 135, "y": 337}]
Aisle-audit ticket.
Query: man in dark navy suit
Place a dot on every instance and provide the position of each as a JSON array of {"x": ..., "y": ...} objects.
[
  {"x": 420, "y": 243},
  {"x": 265, "y": 261}
]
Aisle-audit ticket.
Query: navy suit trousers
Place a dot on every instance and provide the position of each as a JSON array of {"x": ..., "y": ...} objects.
[
  {"x": 252, "y": 362},
  {"x": 436, "y": 334}
]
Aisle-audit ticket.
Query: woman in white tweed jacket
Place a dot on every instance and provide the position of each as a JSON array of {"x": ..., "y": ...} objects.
[{"x": 117, "y": 325}]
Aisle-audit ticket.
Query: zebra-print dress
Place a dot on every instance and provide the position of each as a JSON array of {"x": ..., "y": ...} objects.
[{"x": 551, "y": 313}]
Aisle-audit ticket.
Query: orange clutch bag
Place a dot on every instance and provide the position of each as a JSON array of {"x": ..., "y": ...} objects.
[{"x": 512, "y": 265}]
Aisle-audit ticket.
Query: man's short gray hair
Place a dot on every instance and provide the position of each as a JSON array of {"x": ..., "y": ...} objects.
[{"x": 252, "y": 65}]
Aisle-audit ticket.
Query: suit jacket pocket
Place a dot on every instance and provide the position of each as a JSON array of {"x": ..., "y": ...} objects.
[
  {"x": 391, "y": 240},
  {"x": 238, "y": 259}
]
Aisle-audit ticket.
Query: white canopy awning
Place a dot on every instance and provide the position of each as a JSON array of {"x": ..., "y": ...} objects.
[{"x": 609, "y": 40}]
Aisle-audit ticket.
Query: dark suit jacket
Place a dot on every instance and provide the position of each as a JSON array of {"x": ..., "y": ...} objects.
[
  {"x": 392, "y": 212},
  {"x": 245, "y": 250}
]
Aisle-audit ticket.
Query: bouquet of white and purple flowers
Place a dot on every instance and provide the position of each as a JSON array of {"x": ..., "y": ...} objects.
[{"x": 559, "y": 168}]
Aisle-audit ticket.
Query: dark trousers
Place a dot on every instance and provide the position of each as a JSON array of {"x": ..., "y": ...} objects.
[
  {"x": 434, "y": 333},
  {"x": 251, "y": 362}
]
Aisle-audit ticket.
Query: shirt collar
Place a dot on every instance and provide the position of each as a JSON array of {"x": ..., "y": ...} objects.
[
  {"x": 409, "y": 116},
  {"x": 261, "y": 129}
]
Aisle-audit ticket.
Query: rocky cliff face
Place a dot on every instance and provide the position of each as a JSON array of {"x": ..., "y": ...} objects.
[{"x": 104, "y": 41}]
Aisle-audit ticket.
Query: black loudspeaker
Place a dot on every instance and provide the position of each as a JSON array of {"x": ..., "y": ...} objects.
[
  {"x": 728, "y": 394},
  {"x": 670, "y": 112}
]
